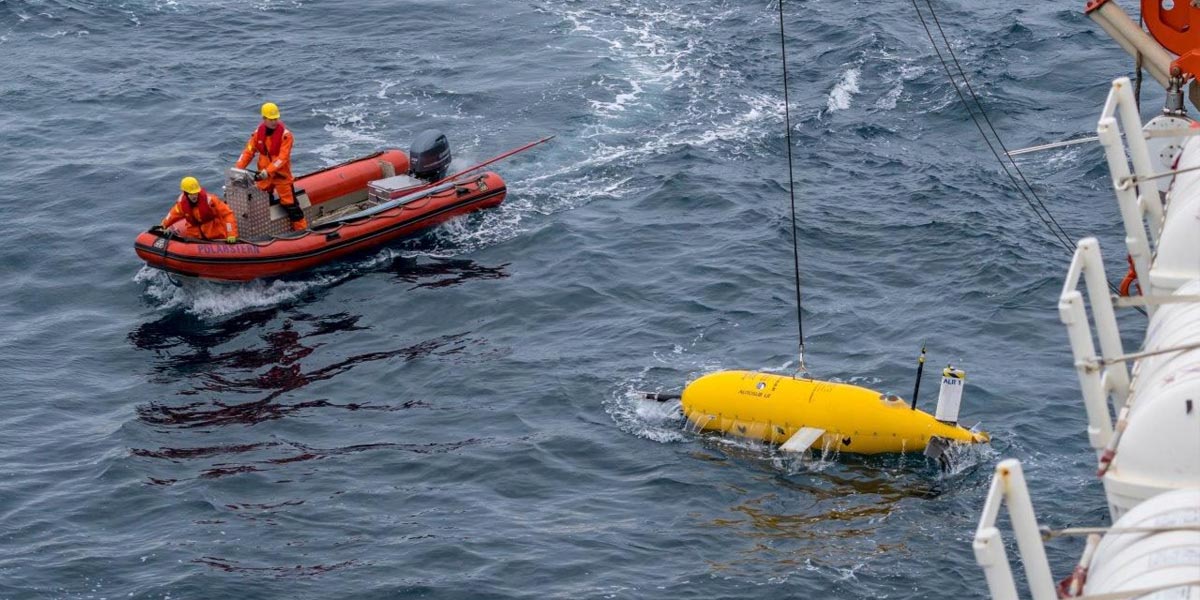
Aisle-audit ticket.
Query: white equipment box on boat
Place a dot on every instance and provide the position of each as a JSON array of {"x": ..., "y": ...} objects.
[{"x": 394, "y": 187}]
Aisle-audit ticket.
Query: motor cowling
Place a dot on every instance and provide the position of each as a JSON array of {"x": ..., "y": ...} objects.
[{"x": 429, "y": 155}]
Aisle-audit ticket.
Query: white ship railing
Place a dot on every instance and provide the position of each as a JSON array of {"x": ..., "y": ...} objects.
[
  {"x": 1159, "y": 542},
  {"x": 1100, "y": 377},
  {"x": 1008, "y": 486},
  {"x": 1107, "y": 376},
  {"x": 1135, "y": 201},
  {"x": 1140, "y": 193}
]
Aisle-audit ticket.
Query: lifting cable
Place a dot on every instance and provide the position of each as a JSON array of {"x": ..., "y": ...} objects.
[
  {"x": 1047, "y": 218},
  {"x": 1137, "y": 70},
  {"x": 787, "y": 120}
]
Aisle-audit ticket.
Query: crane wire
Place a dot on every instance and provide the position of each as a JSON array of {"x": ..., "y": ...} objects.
[
  {"x": 1047, "y": 219},
  {"x": 787, "y": 118},
  {"x": 1056, "y": 230},
  {"x": 999, "y": 141}
]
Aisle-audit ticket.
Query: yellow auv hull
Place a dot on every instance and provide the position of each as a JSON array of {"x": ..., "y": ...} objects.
[{"x": 772, "y": 408}]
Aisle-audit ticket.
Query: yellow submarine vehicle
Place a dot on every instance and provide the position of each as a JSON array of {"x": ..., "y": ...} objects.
[{"x": 798, "y": 413}]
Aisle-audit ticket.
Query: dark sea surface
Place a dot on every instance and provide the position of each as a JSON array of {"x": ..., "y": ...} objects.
[{"x": 453, "y": 416}]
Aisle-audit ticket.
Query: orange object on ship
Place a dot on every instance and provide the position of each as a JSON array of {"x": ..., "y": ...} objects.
[{"x": 346, "y": 220}]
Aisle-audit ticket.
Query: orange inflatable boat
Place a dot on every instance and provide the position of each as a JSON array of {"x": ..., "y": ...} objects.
[{"x": 351, "y": 207}]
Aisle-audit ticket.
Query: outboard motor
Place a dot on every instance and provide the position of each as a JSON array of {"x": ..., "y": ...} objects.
[{"x": 429, "y": 156}]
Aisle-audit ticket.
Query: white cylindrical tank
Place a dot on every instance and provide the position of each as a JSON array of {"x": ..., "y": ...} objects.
[
  {"x": 1159, "y": 450},
  {"x": 950, "y": 394},
  {"x": 1173, "y": 325},
  {"x": 1177, "y": 255},
  {"x": 1135, "y": 561}
]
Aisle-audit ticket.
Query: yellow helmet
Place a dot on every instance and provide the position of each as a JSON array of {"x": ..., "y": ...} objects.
[
  {"x": 190, "y": 185},
  {"x": 270, "y": 111}
]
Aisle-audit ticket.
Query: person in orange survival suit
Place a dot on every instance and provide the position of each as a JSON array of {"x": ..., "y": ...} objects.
[
  {"x": 272, "y": 142},
  {"x": 206, "y": 216}
]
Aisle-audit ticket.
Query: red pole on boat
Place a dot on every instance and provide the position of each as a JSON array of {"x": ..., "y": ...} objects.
[{"x": 490, "y": 161}]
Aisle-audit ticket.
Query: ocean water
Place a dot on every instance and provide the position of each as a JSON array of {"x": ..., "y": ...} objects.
[{"x": 454, "y": 416}]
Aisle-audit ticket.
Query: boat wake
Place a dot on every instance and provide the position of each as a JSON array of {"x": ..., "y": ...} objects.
[{"x": 209, "y": 300}]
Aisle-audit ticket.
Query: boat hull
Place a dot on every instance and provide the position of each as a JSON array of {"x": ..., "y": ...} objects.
[{"x": 284, "y": 255}]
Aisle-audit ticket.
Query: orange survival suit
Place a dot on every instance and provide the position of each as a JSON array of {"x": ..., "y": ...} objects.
[
  {"x": 209, "y": 218},
  {"x": 274, "y": 150}
]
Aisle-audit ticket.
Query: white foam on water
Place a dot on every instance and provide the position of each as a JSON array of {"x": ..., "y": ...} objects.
[
  {"x": 962, "y": 458},
  {"x": 911, "y": 71},
  {"x": 888, "y": 101},
  {"x": 660, "y": 421},
  {"x": 656, "y": 46},
  {"x": 470, "y": 233},
  {"x": 268, "y": 5},
  {"x": 206, "y": 299},
  {"x": 646, "y": 419},
  {"x": 744, "y": 128},
  {"x": 575, "y": 16},
  {"x": 660, "y": 49},
  {"x": 845, "y": 89},
  {"x": 847, "y": 574},
  {"x": 482, "y": 229},
  {"x": 421, "y": 105},
  {"x": 620, "y": 101},
  {"x": 353, "y": 129},
  {"x": 897, "y": 70},
  {"x": 384, "y": 86},
  {"x": 1060, "y": 159}
]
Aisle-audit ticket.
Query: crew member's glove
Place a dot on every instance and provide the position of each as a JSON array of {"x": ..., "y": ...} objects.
[
  {"x": 231, "y": 239},
  {"x": 157, "y": 229},
  {"x": 260, "y": 175}
]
